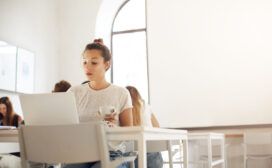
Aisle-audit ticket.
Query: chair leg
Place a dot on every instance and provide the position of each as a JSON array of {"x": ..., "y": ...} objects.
[{"x": 170, "y": 154}]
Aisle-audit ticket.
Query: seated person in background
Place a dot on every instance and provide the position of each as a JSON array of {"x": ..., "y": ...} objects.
[
  {"x": 141, "y": 111},
  {"x": 61, "y": 86},
  {"x": 142, "y": 115},
  {"x": 9, "y": 117}
]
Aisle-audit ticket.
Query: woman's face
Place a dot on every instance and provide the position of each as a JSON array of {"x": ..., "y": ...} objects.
[
  {"x": 94, "y": 65},
  {"x": 3, "y": 109}
]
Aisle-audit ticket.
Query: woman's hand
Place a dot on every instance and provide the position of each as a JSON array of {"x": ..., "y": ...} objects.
[{"x": 111, "y": 119}]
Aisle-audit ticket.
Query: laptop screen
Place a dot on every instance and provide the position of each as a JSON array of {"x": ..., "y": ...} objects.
[{"x": 49, "y": 108}]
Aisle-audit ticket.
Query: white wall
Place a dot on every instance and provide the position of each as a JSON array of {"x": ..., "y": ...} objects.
[
  {"x": 210, "y": 61},
  {"x": 77, "y": 27},
  {"x": 33, "y": 25},
  {"x": 55, "y": 30}
]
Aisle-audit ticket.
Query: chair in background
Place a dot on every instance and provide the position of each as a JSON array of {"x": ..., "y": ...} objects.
[
  {"x": 207, "y": 150},
  {"x": 75, "y": 143},
  {"x": 257, "y": 146}
]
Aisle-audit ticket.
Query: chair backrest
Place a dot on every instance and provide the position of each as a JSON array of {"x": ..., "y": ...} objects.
[{"x": 63, "y": 143}]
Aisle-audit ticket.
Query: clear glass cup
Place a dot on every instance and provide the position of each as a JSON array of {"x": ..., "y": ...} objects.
[
  {"x": 107, "y": 114},
  {"x": 103, "y": 111}
]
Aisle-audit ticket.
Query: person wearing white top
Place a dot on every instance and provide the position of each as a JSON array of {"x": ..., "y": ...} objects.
[
  {"x": 99, "y": 94},
  {"x": 142, "y": 115},
  {"x": 90, "y": 101}
]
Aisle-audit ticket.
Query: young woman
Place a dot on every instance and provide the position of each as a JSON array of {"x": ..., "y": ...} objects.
[
  {"x": 9, "y": 117},
  {"x": 141, "y": 111},
  {"x": 99, "y": 93},
  {"x": 142, "y": 115}
]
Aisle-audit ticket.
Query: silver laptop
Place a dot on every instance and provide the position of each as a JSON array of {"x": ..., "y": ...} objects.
[{"x": 49, "y": 109}]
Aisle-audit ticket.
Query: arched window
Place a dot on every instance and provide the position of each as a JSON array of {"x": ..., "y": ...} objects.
[{"x": 129, "y": 47}]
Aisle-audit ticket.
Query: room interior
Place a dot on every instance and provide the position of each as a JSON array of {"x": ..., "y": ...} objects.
[{"x": 203, "y": 66}]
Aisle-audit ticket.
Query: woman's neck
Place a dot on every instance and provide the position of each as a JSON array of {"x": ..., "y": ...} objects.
[{"x": 98, "y": 85}]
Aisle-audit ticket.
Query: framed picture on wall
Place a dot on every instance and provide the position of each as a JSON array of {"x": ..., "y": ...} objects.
[
  {"x": 25, "y": 71},
  {"x": 7, "y": 67}
]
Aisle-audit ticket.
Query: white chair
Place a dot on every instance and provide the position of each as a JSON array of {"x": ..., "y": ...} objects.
[
  {"x": 257, "y": 146},
  {"x": 207, "y": 150},
  {"x": 75, "y": 143}
]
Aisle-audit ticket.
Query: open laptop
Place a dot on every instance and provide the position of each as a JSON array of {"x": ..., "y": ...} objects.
[{"x": 49, "y": 108}]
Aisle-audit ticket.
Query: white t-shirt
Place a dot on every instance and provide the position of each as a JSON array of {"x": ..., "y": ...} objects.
[
  {"x": 146, "y": 115},
  {"x": 89, "y": 100}
]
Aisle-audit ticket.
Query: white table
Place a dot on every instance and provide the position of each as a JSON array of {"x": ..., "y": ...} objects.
[
  {"x": 9, "y": 141},
  {"x": 143, "y": 134},
  {"x": 139, "y": 134},
  {"x": 209, "y": 137}
]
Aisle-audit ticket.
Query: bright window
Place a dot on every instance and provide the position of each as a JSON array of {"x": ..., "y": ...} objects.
[{"x": 129, "y": 48}]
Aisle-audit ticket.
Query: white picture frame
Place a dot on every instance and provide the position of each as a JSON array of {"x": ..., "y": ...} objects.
[
  {"x": 25, "y": 71},
  {"x": 8, "y": 67}
]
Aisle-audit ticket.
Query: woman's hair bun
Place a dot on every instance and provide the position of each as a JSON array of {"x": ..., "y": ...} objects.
[{"x": 99, "y": 41}]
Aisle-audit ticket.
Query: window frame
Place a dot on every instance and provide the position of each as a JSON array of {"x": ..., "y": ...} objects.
[{"x": 126, "y": 32}]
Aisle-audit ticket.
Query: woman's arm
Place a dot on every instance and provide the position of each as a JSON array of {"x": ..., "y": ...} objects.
[
  {"x": 154, "y": 121},
  {"x": 126, "y": 118}
]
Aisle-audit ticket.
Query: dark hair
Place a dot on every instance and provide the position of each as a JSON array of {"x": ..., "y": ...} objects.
[
  {"x": 10, "y": 112},
  {"x": 99, "y": 45},
  {"x": 1, "y": 119},
  {"x": 62, "y": 86}
]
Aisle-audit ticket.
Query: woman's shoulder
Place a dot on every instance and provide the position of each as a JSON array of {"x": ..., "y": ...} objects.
[
  {"x": 119, "y": 89},
  {"x": 78, "y": 88}
]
